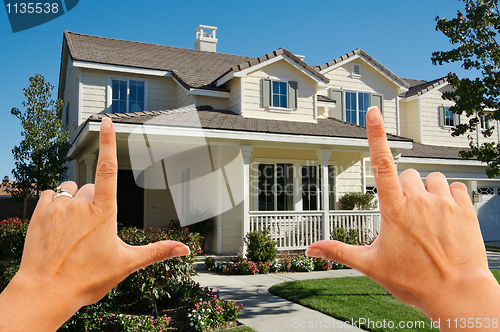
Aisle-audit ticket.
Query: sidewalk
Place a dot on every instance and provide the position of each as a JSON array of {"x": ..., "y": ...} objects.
[{"x": 263, "y": 311}]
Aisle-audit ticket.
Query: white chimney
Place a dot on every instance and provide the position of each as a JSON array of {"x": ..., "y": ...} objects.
[{"x": 205, "y": 38}]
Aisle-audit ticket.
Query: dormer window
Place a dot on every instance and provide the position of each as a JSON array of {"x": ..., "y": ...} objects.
[
  {"x": 279, "y": 95},
  {"x": 127, "y": 95},
  {"x": 485, "y": 122}
]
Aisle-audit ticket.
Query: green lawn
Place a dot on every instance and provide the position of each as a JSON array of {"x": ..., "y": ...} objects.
[
  {"x": 239, "y": 329},
  {"x": 356, "y": 298},
  {"x": 492, "y": 249}
]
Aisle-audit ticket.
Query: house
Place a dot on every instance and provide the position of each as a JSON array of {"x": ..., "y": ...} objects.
[{"x": 269, "y": 142}]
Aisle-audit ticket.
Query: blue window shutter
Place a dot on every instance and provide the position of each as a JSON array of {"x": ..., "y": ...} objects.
[
  {"x": 441, "y": 116},
  {"x": 266, "y": 92},
  {"x": 377, "y": 99},
  {"x": 338, "y": 111},
  {"x": 292, "y": 94}
]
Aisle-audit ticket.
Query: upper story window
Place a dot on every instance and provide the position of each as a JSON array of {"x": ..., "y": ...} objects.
[
  {"x": 485, "y": 122},
  {"x": 352, "y": 106},
  {"x": 127, "y": 95},
  {"x": 447, "y": 118},
  {"x": 356, "y": 106},
  {"x": 279, "y": 94}
]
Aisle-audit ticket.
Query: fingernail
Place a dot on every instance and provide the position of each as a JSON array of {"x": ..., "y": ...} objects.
[
  {"x": 373, "y": 116},
  {"x": 315, "y": 252},
  {"x": 180, "y": 251},
  {"x": 105, "y": 125}
]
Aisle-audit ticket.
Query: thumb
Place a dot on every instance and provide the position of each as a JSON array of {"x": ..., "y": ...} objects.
[
  {"x": 356, "y": 257},
  {"x": 142, "y": 256}
]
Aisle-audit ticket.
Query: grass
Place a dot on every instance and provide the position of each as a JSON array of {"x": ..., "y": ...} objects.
[
  {"x": 492, "y": 249},
  {"x": 239, "y": 329},
  {"x": 352, "y": 298}
]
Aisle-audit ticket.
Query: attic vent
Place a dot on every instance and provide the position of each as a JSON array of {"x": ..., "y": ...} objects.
[{"x": 356, "y": 69}]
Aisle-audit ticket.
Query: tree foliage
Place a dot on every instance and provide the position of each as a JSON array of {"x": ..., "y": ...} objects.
[
  {"x": 474, "y": 36},
  {"x": 41, "y": 155}
]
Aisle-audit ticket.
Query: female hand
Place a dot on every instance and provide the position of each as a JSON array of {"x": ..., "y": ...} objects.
[
  {"x": 72, "y": 255},
  {"x": 430, "y": 252}
]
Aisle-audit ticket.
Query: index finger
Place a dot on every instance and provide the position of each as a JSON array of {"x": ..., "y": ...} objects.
[
  {"x": 384, "y": 169},
  {"x": 107, "y": 167}
]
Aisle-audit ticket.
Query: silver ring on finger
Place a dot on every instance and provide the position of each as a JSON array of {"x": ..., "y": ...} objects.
[{"x": 62, "y": 192}]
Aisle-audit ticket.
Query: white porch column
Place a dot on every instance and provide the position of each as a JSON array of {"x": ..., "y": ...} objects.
[
  {"x": 246, "y": 151},
  {"x": 324, "y": 157},
  {"x": 89, "y": 167}
]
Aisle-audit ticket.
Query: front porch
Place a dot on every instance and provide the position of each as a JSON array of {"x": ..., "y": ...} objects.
[{"x": 297, "y": 230}]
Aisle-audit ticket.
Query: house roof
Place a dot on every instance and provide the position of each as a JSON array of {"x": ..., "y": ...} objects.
[
  {"x": 419, "y": 87},
  {"x": 210, "y": 118},
  {"x": 193, "y": 68},
  {"x": 432, "y": 151},
  {"x": 359, "y": 52},
  {"x": 281, "y": 51}
]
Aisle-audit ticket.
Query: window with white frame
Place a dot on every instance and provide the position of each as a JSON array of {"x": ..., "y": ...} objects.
[
  {"x": 127, "y": 95},
  {"x": 447, "y": 118},
  {"x": 279, "y": 94},
  {"x": 275, "y": 187},
  {"x": 485, "y": 122},
  {"x": 356, "y": 106}
]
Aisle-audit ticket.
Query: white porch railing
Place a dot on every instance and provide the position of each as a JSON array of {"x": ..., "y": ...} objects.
[
  {"x": 291, "y": 230},
  {"x": 297, "y": 230},
  {"x": 367, "y": 223}
]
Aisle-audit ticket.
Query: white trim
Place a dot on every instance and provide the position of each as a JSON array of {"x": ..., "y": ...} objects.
[
  {"x": 109, "y": 91},
  {"x": 242, "y": 95},
  {"x": 121, "y": 69},
  {"x": 79, "y": 97},
  {"x": 245, "y": 72},
  {"x": 398, "y": 117},
  {"x": 441, "y": 161},
  {"x": 326, "y": 104},
  {"x": 420, "y": 130},
  {"x": 279, "y": 109},
  {"x": 244, "y": 135}
]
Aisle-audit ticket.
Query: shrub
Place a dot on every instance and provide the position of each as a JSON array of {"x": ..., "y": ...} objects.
[
  {"x": 162, "y": 278},
  {"x": 260, "y": 246},
  {"x": 264, "y": 267},
  {"x": 209, "y": 310},
  {"x": 340, "y": 234},
  {"x": 8, "y": 269},
  {"x": 302, "y": 264},
  {"x": 321, "y": 264},
  {"x": 357, "y": 201},
  {"x": 247, "y": 267},
  {"x": 12, "y": 234}
]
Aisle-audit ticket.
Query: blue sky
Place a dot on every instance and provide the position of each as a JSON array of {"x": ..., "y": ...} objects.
[{"x": 399, "y": 34}]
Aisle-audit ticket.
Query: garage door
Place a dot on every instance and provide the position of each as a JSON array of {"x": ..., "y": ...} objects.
[{"x": 488, "y": 213}]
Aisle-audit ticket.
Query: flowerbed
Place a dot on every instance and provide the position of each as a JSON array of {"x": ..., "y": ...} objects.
[{"x": 287, "y": 263}]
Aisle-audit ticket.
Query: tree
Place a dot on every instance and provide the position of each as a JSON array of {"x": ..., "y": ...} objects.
[
  {"x": 41, "y": 155},
  {"x": 477, "y": 48}
]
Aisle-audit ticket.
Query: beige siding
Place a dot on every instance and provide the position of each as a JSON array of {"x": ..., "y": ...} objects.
[
  {"x": 370, "y": 81},
  {"x": 284, "y": 71},
  {"x": 410, "y": 124},
  {"x": 216, "y": 102},
  {"x": 71, "y": 101},
  {"x": 162, "y": 91},
  {"x": 349, "y": 172},
  {"x": 183, "y": 99},
  {"x": 234, "y": 103}
]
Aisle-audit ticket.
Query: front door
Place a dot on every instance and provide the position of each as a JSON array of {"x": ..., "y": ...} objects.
[{"x": 130, "y": 199}]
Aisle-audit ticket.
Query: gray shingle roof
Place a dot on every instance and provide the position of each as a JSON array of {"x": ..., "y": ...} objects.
[
  {"x": 419, "y": 87},
  {"x": 281, "y": 51},
  {"x": 227, "y": 120},
  {"x": 432, "y": 151},
  {"x": 365, "y": 55},
  {"x": 194, "y": 68}
]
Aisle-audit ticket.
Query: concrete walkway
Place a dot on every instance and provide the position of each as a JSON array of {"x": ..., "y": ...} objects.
[{"x": 263, "y": 311}]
